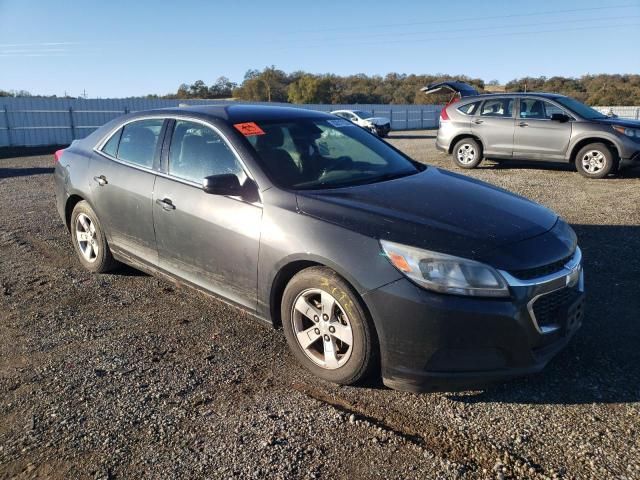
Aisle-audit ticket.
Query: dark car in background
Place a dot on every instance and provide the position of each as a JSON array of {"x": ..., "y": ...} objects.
[
  {"x": 366, "y": 258},
  {"x": 533, "y": 126}
]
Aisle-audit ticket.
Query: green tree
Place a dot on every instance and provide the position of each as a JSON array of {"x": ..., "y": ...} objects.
[{"x": 310, "y": 89}]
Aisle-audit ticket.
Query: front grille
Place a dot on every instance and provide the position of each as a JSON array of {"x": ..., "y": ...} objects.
[
  {"x": 541, "y": 271},
  {"x": 550, "y": 309}
]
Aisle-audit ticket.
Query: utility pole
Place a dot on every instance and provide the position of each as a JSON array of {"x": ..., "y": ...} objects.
[{"x": 84, "y": 93}]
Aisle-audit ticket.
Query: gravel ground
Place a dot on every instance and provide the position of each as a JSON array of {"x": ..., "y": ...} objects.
[{"x": 126, "y": 376}]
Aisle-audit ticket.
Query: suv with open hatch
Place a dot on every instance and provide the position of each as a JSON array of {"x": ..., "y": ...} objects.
[
  {"x": 372, "y": 263},
  {"x": 533, "y": 126}
]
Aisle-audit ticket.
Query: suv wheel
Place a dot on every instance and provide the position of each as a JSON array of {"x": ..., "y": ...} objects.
[
  {"x": 89, "y": 240},
  {"x": 467, "y": 153},
  {"x": 596, "y": 160},
  {"x": 326, "y": 328}
]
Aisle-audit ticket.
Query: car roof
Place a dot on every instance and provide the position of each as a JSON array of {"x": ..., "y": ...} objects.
[
  {"x": 239, "y": 113},
  {"x": 516, "y": 94}
]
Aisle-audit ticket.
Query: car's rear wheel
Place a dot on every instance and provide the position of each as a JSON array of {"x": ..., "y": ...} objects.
[
  {"x": 89, "y": 240},
  {"x": 326, "y": 327},
  {"x": 467, "y": 153},
  {"x": 596, "y": 160}
]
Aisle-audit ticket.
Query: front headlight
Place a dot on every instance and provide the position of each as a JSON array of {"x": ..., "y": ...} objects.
[
  {"x": 445, "y": 273},
  {"x": 629, "y": 132}
]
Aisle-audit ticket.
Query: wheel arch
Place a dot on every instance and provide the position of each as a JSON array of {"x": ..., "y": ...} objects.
[
  {"x": 289, "y": 270},
  {"x": 70, "y": 204},
  {"x": 586, "y": 141},
  {"x": 461, "y": 136}
]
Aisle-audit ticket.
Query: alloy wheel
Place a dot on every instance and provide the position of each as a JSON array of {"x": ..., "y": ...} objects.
[
  {"x": 593, "y": 161},
  {"x": 322, "y": 328},
  {"x": 466, "y": 154},
  {"x": 87, "y": 238}
]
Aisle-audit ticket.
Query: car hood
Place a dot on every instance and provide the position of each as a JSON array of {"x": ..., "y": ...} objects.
[
  {"x": 378, "y": 120},
  {"x": 623, "y": 122},
  {"x": 436, "y": 210}
]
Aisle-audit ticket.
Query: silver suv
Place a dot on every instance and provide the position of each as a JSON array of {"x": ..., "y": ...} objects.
[{"x": 533, "y": 126}]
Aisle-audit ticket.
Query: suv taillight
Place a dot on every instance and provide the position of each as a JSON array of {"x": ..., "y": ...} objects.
[
  {"x": 58, "y": 155},
  {"x": 443, "y": 113}
]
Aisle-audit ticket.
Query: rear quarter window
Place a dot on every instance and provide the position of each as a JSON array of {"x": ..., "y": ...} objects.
[
  {"x": 111, "y": 147},
  {"x": 469, "y": 108}
]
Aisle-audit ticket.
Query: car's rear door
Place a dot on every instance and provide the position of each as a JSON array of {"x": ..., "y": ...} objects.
[
  {"x": 123, "y": 178},
  {"x": 209, "y": 240},
  {"x": 494, "y": 123},
  {"x": 537, "y": 137}
]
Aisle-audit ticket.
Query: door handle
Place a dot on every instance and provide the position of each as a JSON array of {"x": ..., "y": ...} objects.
[
  {"x": 477, "y": 121},
  {"x": 102, "y": 180},
  {"x": 523, "y": 124},
  {"x": 166, "y": 204}
]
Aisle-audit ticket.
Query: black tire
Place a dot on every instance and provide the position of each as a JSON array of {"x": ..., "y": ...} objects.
[
  {"x": 589, "y": 161},
  {"x": 362, "y": 358},
  {"x": 467, "y": 153},
  {"x": 102, "y": 260}
]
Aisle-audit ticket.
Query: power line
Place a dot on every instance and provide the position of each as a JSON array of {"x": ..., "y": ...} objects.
[
  {"x": 467, "y": 19},
  {"x": 475, "y": 29},
  {"x": 466, "y": 36}
]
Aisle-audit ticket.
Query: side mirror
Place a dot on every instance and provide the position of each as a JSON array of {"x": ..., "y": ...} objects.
[
  {"x": 559, "y": 117},
  {"x": 226, "y": 184}
]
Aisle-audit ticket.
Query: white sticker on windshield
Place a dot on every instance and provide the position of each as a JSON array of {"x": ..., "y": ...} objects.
[{"x": 341, "y": 123}]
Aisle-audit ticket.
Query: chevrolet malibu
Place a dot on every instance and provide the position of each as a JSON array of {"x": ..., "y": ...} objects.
[{"x": 372, "y": 263}]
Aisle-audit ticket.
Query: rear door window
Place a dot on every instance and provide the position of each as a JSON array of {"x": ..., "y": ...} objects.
[
  {"x": 197, "y": 152},
  {"x": 139, "y": 142},
  {"x": 497, "y": 107},
  {"x": 534, "y": 108}
]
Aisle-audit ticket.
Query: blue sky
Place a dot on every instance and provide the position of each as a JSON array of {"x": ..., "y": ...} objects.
[{"x": 121, "y": 48}]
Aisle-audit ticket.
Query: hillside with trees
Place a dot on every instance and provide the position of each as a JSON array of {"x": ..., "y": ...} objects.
[{"x": 274, "y": 85}]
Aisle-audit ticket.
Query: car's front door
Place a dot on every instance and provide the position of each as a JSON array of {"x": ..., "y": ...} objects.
[
  {"x": 493, "y": 124},
  {"x": 537, "y": 137},
  {"x": 209, "y": 240},
  {"x": 122, "y": 187}
]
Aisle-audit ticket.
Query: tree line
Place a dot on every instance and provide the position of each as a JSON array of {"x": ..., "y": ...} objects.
[{"x": 274, "y": 85}]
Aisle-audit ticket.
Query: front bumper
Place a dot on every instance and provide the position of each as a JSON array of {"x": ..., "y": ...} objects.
[
  {"x": 383, "y": 130},
  {"x": 629, "y": 151},
  {"x": 435, "y": 342}
]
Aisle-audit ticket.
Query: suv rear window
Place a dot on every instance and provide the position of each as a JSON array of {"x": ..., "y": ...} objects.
[{"x": 469, "y": 108}]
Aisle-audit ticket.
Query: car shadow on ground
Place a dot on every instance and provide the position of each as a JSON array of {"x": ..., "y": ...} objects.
[
  {"x": 627, "y": 172},
  {"x": 124, "y": 270},
  {"x": 600, "y": 364},
  {"x": 24, "y": 172}
]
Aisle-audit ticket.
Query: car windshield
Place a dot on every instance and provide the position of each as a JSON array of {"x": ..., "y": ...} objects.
[
  {"x": 308, "y": 154},
  {"x": 362, "y": 114},
  {"x": 579, "y": 108}
]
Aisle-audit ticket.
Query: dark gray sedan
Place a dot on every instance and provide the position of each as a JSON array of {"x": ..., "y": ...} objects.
[{"x": 372, "y": 263}]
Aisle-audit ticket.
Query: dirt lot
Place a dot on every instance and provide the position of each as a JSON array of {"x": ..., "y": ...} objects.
[{"x": 125, "y": 376}]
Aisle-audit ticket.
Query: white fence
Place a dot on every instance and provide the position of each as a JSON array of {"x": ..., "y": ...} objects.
[
  {"x": 56, "y": 121},
  {"x": 632, "y": 113},
  {"x": 33, "y": 121}
]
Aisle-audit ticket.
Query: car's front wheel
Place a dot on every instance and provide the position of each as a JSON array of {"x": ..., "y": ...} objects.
[
  {"x": 89, "y": 239},
  {"x": 467, "y": 153},
  {"x": 327, "y": 328},
  {"x": 596, "y": 161}
]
